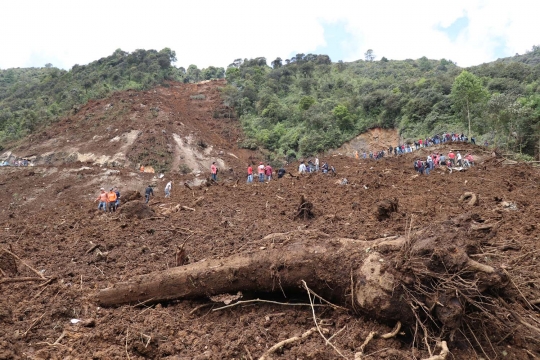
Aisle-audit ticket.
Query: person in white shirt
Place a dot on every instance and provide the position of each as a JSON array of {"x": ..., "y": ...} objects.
[
  {"x": 168, "y": 189},
  {"x": 316, "y": 164},
  {"x": 302, "y": 168},
  {"x": 430, "y": 162},
  {"x": 459, "y": 159}
]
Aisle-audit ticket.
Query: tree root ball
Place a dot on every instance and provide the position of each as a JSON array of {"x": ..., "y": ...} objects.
[
  {"x": 383, "y": 209},
  {"x": 469, "y": 198}
]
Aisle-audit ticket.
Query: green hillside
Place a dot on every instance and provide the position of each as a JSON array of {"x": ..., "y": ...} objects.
[
  {"x": 307, "y": 104},
  {"x": 33, "y": 97}
]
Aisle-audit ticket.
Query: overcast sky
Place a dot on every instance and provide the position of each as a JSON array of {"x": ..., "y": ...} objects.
[{"x": 215, "y": 32}]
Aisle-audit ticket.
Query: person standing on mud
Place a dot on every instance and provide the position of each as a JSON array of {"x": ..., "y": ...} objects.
[
  {"x": 260, "y": 171},
  {"x": 302, "y": 168},
  {"x": 111, "y": 199},
  {"x": 168, "y": 188},
  {"x": 149, "y": 191},
  {"x": 268, "y": 172},
  {"x": 452, "y": 158},
  {"x": 317, "y": 163},
  {"x": 249, "y": 174},
  {"x": 117, "y": 203},
  {"x": 102, "y": 198},
  {"x": 214, "y": 171}
]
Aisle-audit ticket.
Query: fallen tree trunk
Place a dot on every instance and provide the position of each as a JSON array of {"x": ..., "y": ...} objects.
[
  {"x": 325, "y": 266},
  {"x": 388, "y": 279}
]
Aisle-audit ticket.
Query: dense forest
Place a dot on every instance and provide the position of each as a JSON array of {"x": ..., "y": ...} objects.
[
  {"x": 33, "y": 97},
  {"x": 308, "y": 103}
]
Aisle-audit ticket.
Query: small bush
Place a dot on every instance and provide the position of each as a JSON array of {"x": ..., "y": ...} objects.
[
  {"x": 184, "y": 169},
  {"x": 248, "y": 144},
  {"x": 198, "y": 97},
  {"x": 202, "y": 144}
]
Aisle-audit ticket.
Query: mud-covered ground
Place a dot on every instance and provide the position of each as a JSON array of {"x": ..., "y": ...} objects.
[{"x": 50, "y": 221}]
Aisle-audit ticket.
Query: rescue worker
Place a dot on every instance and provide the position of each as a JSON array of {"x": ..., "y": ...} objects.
[
  {"x": 260, "y": 170},
  {"x": 302, "y": 168},
  {"x": 168, "y": 189},
  {"x": 249, "y": 174},
  {"x": 214, "y": 171},
  {"x": 111, "y": 200},
  {"x": 268, "y": 172},
  {"x": 117, "y": 204},
  {"x": 149, "y": 191},
  {"x": 102, "y": 198}
]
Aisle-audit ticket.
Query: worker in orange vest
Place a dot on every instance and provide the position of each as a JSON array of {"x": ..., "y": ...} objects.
[{"x": 111, "y": 199}]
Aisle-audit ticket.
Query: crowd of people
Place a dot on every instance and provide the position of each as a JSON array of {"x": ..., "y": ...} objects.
[
  {"x": 111, "y": 200},
  {"x": 17, "y": 162},
  {"x": 405, "y": 148},
  {"x": 435, "y": 160}
]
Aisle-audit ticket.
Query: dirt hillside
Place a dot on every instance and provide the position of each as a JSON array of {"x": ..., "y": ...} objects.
[
  {"x": 177, "y": 128},
  {"x": 57, "y": 251},
  {"x": 373, "y": 140}
]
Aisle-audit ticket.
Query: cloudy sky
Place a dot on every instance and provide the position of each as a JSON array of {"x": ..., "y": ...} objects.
[{"x": 215, "y": 32}]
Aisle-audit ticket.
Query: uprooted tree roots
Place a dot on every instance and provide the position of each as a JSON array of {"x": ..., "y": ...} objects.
[
  {"x": 425, "y": 280},
  {"x": 305, "y": 210}
]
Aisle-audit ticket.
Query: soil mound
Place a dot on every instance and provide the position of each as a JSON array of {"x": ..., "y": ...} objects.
[{"x": 136, "y": 209}]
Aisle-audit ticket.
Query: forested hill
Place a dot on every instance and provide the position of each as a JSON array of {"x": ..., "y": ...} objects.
[
  {"x": 31, "y": 97},
  {"x": 306, "y": 104}
]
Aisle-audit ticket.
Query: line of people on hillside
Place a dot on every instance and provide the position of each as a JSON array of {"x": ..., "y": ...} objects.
[
  {"x": 16, "y": 162},
  {"x": 438, "y": 159},
  {"x": 266, "y": 172},
  {"x": 430, "y": 141}
]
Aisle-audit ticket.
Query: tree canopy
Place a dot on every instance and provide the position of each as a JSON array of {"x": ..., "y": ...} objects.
[{"x": 307, "y": 103}]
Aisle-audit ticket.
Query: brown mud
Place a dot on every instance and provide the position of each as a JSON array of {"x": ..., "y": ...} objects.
[{"x": 50, "y": 222}]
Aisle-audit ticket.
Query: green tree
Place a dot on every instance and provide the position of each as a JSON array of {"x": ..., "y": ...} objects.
[
  {"x": 467, "y": 91},
  {"x": 306, "y": 102},
  {"x": 343, "y": 117},
  {"x": 369, "y": 55},
  {"x": 277, "y": 63}
]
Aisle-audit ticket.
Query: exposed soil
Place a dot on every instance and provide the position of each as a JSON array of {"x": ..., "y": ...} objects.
[
  {"x": 374, "y": 140},
  {"x": 50, "y": 221},
  {"x": 178, "y": 128}
]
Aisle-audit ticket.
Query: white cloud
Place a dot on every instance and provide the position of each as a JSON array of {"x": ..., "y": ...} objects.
[{"x": 215, "y": 32}]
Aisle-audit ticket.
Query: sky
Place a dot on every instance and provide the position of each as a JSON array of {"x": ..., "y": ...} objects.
[{"x": 215, "y": 32}]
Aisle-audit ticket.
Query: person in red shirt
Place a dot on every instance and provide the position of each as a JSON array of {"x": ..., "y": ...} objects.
[
  {"x": 268, "y": 172},
  {"x": 214, "y": 171},
  {"x": 250, "y": 174},
  {"x": 452, "y": 158}
]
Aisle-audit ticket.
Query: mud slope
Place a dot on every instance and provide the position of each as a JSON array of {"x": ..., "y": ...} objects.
[
  {"x": 179, "y": 128},
  {"x": 49, "y": 220}
]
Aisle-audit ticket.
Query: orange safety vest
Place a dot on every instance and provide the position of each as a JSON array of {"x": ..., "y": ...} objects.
[{"x": 111, "y": 196}]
